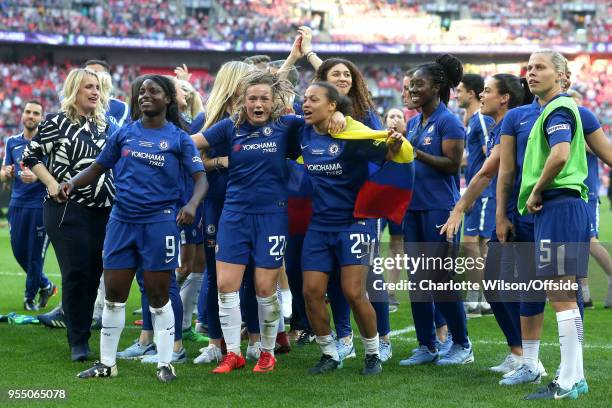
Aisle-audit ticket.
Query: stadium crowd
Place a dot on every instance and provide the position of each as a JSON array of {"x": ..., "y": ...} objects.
[
  {"x": 36, "y": 78},
  {"x": 405, "y": 22}
]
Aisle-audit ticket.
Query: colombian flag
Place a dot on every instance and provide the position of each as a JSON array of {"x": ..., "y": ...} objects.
[{"x": 388, "y": 191}]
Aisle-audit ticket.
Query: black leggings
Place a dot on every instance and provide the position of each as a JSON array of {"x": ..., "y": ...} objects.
[{"x": 77, "y": 235}]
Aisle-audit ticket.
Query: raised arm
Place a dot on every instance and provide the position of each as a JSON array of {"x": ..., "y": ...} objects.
[{"x": 312, "y": 58}]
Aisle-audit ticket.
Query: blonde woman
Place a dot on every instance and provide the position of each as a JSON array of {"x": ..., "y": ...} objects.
[{"x": 67, "y": 143}]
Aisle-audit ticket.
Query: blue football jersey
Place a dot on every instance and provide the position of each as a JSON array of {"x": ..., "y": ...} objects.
[
  {"x": 518, "y": 123},
  {"x": 257, "y": 178},
  {"x": 590, "y": 124},
  {"x": 147, "y": 164},
  {"x": 434, "y": 190},
  {"x": 337, "y": 169},
  {"x": 477, "y": 136},
  {"x": 22, "y": 194},
  {"x": 493, "y": 141},
  {"x": 118, "y": 113}
]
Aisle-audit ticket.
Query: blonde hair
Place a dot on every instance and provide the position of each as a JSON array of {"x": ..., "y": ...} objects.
[
  {"x": 106, "y": 88},
  {"x": 193, "y": 99},
  {"x": 281, "y": 92},
  {"x": 559, "y": 62},
  {"x": 224, "y": 88},
  {"x": 70, "y": 92}
]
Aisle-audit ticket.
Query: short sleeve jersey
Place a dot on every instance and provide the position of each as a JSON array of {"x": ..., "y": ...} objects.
[
  {"x": 433, "y": 189},
  {"x": 337, "y": 169},
  {"x": 147, "y": 164},
  {"x": 257, "y": 180}
]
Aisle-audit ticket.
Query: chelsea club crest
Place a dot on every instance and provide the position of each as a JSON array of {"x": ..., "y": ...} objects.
[
  {"x": 163, "y": 144},
  {"x": 334, "y": 149}
]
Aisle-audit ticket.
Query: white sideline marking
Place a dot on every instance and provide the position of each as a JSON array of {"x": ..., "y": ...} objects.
[
  {"x": 408, "y": 329},
  {"x": 55, "y": 275}
]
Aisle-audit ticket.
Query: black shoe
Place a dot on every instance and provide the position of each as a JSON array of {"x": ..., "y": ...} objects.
[
  {"x": 45, "y": 294},
  {"x": 325, "y": 364},
  {"x": 373, "y": 365},
  {"x": 80, "y": 352},
  {"x": 99, "y": 370},
  {"x": 29, "y": 305},
  {"x": 166, "y": 373},
  {"x": 589, "y": 304},
  {"x": 553, "y": 391},
  {"x": 305, "y": 337},
  {"x": 53, "y": 319}
]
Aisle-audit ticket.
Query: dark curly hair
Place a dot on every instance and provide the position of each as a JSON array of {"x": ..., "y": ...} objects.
[
  {"x": 359, "y": 94},
  {"x": 446, "y": 72},
  {"x": 172, "y": 110}
]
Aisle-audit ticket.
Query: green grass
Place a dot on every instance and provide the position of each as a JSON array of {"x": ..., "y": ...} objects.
[{"x": 35, "y": 357}]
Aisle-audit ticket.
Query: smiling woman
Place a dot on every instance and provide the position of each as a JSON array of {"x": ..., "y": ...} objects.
[
  {"x": 142, "y": 232},
  {"x": 67, "y": 142},
  {"x": 253, "y": 222}
]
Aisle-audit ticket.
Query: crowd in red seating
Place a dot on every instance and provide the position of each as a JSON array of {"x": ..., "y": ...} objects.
[{"x": 276, "y": 20}]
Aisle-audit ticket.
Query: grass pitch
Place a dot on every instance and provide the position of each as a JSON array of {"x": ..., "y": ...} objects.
[{"x": 34, "y": 357}]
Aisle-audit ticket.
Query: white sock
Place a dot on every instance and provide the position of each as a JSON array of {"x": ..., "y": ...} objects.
[
  {"x": 586, "y": 292},
  {"x": 113, "y": 321},
  {"x": 287, "y": 300},
  {"x": 229, "y": 316},
  {"x": 579, "y": 360},
  {"x": 281, "y": 320},
  {"x": 163, "y": 326},
  {"x": 269, "y": 314},
  {"x": 371, "y": 346},
  {"x": 328, "y": 346},
  {"x": 570, "y": 347},
  {"x": 99, "y": 305},
  {"x": 189, "y": 296},
  {"x": 531, "y": 353}
]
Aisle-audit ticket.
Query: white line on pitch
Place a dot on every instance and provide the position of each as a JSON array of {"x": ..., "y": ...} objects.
[
  {"x": 55, "y": 275},
  {"x": 394, "y": 333}
]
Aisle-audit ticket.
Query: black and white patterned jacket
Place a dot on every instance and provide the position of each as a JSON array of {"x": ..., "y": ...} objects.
[{"x": 71, "y": 148}]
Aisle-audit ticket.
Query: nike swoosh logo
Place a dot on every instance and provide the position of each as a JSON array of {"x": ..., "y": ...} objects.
[
  {"x": 544, "y": 266},
  {"x": 278, "y": 258},
  {"x": 303, "y": 146},
  {"x": 439, "y": 226},
  {"x": 522, "y": 123},
  {"x": 128, "y": 140},
  {"x": 471, "y": 229},
  {"x": 168, "y": 260},
  {"x": 361, "y": 256}
]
